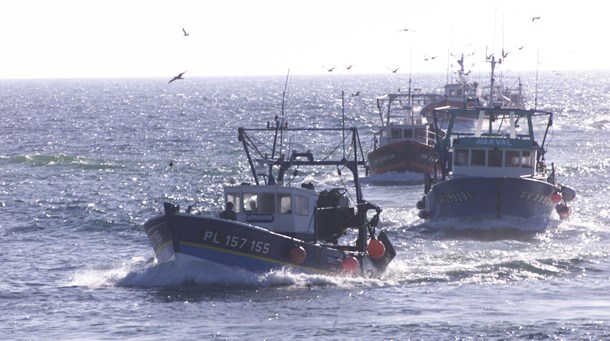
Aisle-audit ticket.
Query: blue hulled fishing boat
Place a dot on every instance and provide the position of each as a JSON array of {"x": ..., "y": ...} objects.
[
  {"x": 272, "y": 223},
  {"x": 496, "y": 171}
]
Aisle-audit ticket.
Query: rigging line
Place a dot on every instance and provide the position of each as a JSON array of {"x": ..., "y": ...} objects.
[{"x": 334, "y": 150}]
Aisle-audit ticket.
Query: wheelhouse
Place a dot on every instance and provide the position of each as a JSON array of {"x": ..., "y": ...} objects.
[{"x": 286, "y": 210}]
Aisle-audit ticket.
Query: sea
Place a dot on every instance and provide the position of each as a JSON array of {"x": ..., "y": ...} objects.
[{"x": 85, "y": 162}]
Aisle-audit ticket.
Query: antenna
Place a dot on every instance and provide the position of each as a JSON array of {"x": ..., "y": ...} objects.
[
  {"x": 343, "y": 119},
  {"x": 279, "y": 122}
]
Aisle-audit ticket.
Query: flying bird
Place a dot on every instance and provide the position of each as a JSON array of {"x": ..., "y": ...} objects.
[
  {"x": 185, "y": 33},
  {"x": 349, "y": 67},
  {"x": 504, "y": 54},
  {"x": 177, "y": 77},
  {"x": 405, "y": 30},
  {"x": 393, "y": 70},
  {"x": 329, "y": 69},
  {"x": 534, "y": 18},
  {"x": 357, "y": 93}
]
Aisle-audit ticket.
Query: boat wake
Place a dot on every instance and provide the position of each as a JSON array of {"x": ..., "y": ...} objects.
[
  {"x": 508, "y": 228},
  {"x": 149, "y": 274},
  {"x": 394, "y": 178}
]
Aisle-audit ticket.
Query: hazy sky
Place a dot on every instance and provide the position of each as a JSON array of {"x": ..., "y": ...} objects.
[{"x": 143, "y": 38}]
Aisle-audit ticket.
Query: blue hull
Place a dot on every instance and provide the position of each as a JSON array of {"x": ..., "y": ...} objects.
[
  {"x": 483, "y": 197},
  {"x": 245, "y": 246}
]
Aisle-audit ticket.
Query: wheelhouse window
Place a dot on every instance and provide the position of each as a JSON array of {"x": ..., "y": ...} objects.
[
  {"x": 267, "y": 202},
  {"x": 461, "y": 157},
  {"x": 511, "y": 158},
  {"x": 250, "y": 202},
  {"x": 301, "y": 205},
  {"x": 478, "y": 157},
  {"x": 284, "y": 202},
  {"x": 495, "y": 158},
  {"x": 236, "y": 200},
  {"x": 408, "y": 133},
  {"x": 528, "y": 159},
  {"x": 396, "y": 133}
]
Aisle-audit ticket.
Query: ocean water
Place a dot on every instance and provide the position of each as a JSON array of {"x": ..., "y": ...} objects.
[{"x": 83, "y": 163}]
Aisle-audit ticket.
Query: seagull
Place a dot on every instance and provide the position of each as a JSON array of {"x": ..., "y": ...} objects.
[
  {"x": 349, "y": 67},
  {"x": 504, "y": 54},
  {"x": 534, "y": 18},
  {"x": 356, "y": 93},
  {"x": 329, "y": 69},
  {"x": 405, "y": 30},
  {"x": 177, "y": 77},
  {"x": 393, "y": 70},
  {"x": 185, "y": 34}
]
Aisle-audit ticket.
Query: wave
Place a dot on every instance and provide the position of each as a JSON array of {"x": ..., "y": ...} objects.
[
  {"x": 139, "y": 272},
  {"x": 41, "y": 160}
]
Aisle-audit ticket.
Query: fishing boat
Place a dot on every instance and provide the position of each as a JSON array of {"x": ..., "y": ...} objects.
[
  {"x": 464, "y": 93},
  {"x": 496, "y": 170},
  {"x": 405, "y": 141},
  {"x": 278, "y": 224}
]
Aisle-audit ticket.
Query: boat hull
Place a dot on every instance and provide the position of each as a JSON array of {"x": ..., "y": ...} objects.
[
  {"x": 485, "y": 197},
  {"x": 252, "y": 248},
  {"x": 403, "y": 156}
]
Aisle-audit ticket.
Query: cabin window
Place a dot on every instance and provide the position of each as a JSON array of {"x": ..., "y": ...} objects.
[
  {"x": 511, "y": 158},
  {"x": 461, "y": 157},
  {"x": 421, "y": 133},
  {"x": 396, "y": 133},
  {"x": 408, "y": 133},
  {"x": 235, "y": 199},
  {"x": 527, "y": 159},
  {"x": 301, "y": 205},
  {"x": 267, "y": 203},
  {"x": 495, "y": 158},
  {"x": 478, "y": 157},
  {"x": 284, "y": 202},
  {"x": 250, "y": 202}
]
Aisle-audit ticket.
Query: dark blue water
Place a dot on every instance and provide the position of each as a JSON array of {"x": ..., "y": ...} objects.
[{"x": 83, "y": 163}]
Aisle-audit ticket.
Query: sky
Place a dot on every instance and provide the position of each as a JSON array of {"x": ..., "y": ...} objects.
[{"x": 144, "y": 38}]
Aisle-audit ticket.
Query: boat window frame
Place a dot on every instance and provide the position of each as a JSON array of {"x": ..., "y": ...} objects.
[
  {"x": 476, "y": 155},
  {"x": 283, "y": 208},
  {"x": 267, "y": 202},
  {"x": 407, "y": 133},
  {"x": 301, "y": 205},
  {"x": 248, "y": 198},
  {"x": 396, "y": 133},
  {"x": 235, "y": 199},
  {"x": 461, "y": 156},
  {"x": 495, "y": 157},
  {"x": 509, "y": 160}
]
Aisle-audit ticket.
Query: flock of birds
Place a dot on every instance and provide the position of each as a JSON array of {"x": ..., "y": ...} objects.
[{"x": 349, "y": 67}]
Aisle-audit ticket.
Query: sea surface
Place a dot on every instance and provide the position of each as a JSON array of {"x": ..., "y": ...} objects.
[{"x": 84, "y": 162}]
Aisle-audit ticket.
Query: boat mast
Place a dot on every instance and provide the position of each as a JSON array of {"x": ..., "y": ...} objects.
[
  {"x": 491, "y": 89},
  {"x": 278, "y": 122}
]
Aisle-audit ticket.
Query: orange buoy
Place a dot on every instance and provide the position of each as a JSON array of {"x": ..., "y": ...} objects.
[
  {"x": 350, "y": 264},
  {"x": 376, "y": 248},
  {"x": 555, "y": 198},
  {"x": 297, "y": 255}
]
